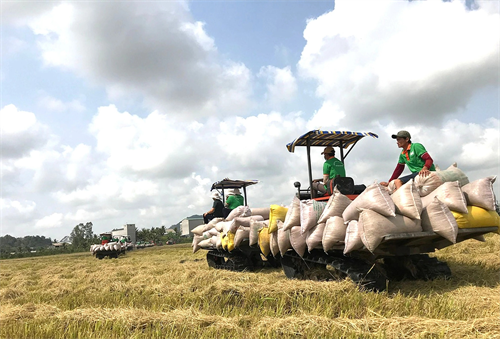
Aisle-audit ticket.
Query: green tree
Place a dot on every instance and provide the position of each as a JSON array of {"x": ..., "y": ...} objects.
[{"x": 82, "y": 236}]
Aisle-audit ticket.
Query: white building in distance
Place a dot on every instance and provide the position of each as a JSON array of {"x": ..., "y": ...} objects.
[
  {"x": 188, "y": 224},
  {"x": 128, "y": 230}
]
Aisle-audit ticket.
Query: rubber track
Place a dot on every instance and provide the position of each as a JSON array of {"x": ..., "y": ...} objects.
[
  {"x": 430, "y": 268},
  {"x": 365, "y": 275},
  {"x": 231, "y": 262},
  {"x": 413, "y": 267}
]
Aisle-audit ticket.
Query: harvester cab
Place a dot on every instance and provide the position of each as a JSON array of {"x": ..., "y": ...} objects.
[
  {"x": 345, "y": 141},
  {"x": 226, "y": 183}
]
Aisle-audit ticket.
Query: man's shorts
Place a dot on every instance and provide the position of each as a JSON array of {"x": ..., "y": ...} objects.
[{"x": 407, "y": 178}]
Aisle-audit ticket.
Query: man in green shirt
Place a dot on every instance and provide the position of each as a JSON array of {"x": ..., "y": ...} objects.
[
  {"x": 234, "y": 199},
  {"x": 414, "y": 155},
  {"x": 332, "y": 168}
]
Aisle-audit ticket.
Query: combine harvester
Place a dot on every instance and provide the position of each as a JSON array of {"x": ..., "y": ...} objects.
[
  {"x": 364, "y": 233},
  {"x": 244, "y": 257},
  {"x": 110, "y": 247}
]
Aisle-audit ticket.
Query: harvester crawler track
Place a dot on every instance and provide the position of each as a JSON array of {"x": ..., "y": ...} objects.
[
  {"x": 229, "y": 261},
  {"x": 416, "y": 267},
  {"x": 245, "y": 258},
  {"x": 313, "y": 265}
]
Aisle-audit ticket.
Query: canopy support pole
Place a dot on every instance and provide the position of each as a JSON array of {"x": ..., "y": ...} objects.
[{"x": 311, "y": 188}]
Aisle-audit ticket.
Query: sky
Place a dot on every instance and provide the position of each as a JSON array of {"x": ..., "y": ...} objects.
[{"x": 126, "y": 112}]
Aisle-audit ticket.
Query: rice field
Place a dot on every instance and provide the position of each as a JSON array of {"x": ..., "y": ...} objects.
[{"x": 169, "y": 292}]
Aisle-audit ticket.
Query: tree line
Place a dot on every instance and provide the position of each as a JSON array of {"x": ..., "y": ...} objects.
[{"x": 82, "y": 236}]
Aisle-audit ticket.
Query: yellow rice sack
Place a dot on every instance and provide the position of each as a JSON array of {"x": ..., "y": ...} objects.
[
  {"x": 265, "y": 241},
  {"x": 477, "y": 217},
  {"x": 276, "y": 212},
  {"x": 223, "y": 241},
  {"x": 230, "y": 241}
]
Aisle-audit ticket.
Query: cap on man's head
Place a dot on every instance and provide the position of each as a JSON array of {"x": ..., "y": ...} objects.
[
  {"x": 328, "y": 150},
  {"x": 402, "y": 134}
]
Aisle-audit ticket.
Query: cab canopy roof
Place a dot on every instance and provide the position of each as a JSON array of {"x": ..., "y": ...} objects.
[
  {"x": 342, "y": 139},
  {"x": 228, "y": 183}
]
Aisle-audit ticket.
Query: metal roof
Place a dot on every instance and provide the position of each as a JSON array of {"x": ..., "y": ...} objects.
[
  {"x": 342, "y": 139},
  {"x": 228, "y": 183}
]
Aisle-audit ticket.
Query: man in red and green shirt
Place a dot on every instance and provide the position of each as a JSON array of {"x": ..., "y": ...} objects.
[{"x": 414, "y": 155}]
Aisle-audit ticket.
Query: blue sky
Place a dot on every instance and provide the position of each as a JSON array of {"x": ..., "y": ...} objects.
[{"x": 126, "y": 112}]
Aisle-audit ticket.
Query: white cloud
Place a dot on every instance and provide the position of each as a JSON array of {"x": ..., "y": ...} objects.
[
  {"x": 154, "y": 167},
  {"x": 50, "y": 221},
  {"x": 21, "y": 132},
  {"x": 11, "y": 208},
  {"x": 401, "y": 60},
  {"x": 327, "y": 118},
  {"x": 281, "y": 86},
  {"x": 157, "y": 51},
  {"x": 22, "y": 12},
  {"x": 155, "y": 144},
  {"x": 56, "y": 105}
]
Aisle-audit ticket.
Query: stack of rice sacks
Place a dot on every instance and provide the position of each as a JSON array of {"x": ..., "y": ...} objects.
[
  {"x": 442, "y": 203},
  {"x": 242, "y": 224},
  {"x": 110, "y": 246}
]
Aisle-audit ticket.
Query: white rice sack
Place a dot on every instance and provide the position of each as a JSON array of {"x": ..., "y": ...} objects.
[
  {"x": 310, "y": 211},
  {"x": 209, "y": 234},
  {"x": 207, "y": 243},
  {"x": 195, "y": 244},
  {"x": 243, "y": 221},
  {"x": 283, "y": 238},
  {"x": 450, "y": 194},
  {"x": 240, "y": 211},
  {"x": 426, "y": 185},
  {"x": 292, "y": 217},
  {"x": 196, "y": 240},
  {"x": 315, "y": 236},
  {"x": 198, "y": 230},
  {"x": 352, "y": 240},
  {"x": 212, "y": 232},
  {"x": 255, "y": 227},
  {"x": 452, "y": 173},
  {"x": 480, "y": 193},
  {"x": 241, "y": 234},
  {"x": 391, "y": 187},
  {"x": 408, "y": 201},
  {"x": 214, "y": 240},
  {"x": 298, "y": 240},
  {"x": 373, "y": 227},
  {"x": 437, "y": 217},
  {"x": 376, "y": 198},
  {"x": 262, "y": 211},
  {"x": 335, "y": 206},
  {"x": 218, "y": 244},
  {"x": 274, "y": 244},
  {"x": 222, "y": 226},
  {"x": 334, "y": 233}
]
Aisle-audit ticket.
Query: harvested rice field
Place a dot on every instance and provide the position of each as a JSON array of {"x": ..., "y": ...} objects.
[{"x": 168, "y": 292}]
